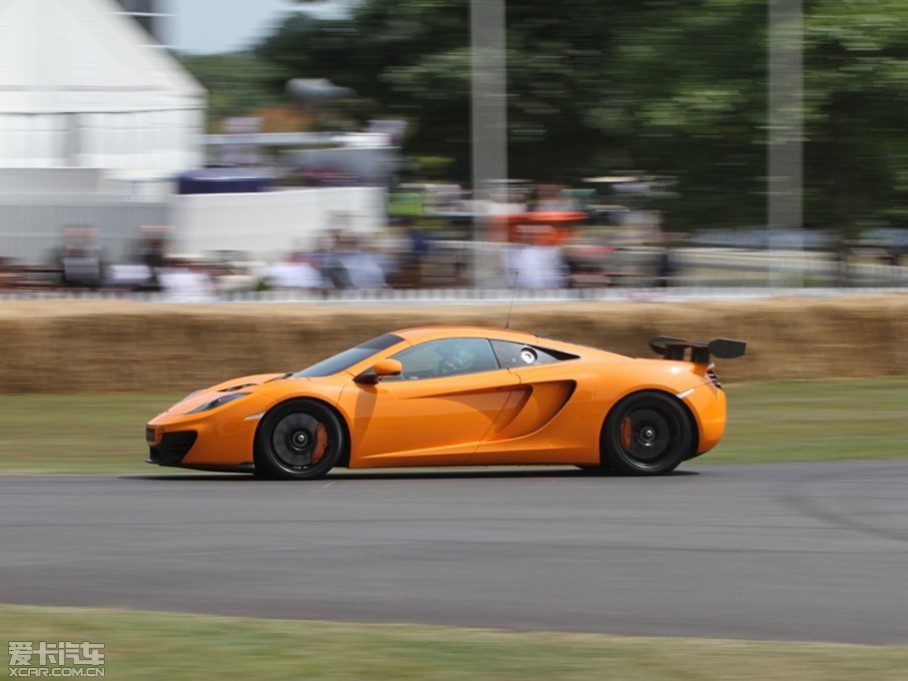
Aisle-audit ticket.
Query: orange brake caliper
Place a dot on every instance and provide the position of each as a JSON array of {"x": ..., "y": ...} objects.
[
  {"x": 321, "y": 443},
  {"x": 626, "y": 432}
]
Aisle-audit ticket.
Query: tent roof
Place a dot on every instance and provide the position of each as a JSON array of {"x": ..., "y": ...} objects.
[{"x": 71, "y": 56}]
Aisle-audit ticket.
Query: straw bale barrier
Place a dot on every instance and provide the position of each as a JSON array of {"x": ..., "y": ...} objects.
[{"x": 66, "y": 347}]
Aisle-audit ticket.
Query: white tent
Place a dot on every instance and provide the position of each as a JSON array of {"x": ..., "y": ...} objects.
[{"x": 84, "y": 86}]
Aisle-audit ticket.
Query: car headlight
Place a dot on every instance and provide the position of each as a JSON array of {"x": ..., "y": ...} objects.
[{"x": 217, "y": 402}]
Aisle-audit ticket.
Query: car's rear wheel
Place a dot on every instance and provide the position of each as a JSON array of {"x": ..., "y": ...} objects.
[
  {"x": 298, "y": 440},
  {"x": 648, "y": 433}
]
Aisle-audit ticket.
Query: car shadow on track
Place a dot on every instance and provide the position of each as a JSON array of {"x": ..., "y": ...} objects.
[{"x": 345, "y": 475}]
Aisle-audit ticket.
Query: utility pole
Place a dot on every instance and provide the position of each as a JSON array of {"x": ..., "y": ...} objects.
[
  {"x": 785, "y": 171},
  {"x": 489, "y": 120}
]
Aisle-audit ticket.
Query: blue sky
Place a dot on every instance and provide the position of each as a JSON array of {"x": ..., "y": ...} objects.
[{"x": 208, "y": 26}]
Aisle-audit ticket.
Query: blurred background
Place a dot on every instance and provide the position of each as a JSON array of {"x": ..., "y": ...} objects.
[
  {"x": 212, "y": 150},
  {"x": 462, "y": 151}
]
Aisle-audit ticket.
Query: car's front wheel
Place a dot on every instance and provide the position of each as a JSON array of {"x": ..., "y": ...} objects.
[
  {"x": 648, "y": 433},
  {"x": 298, "y": 440}
]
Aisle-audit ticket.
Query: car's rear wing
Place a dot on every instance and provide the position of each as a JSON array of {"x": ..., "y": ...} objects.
[{"x": 677, "y": 348}]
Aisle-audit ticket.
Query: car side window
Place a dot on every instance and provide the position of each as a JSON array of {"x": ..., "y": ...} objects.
[
  {"x": 511, "y": 355},
  {"x": 448, "y": 357}
]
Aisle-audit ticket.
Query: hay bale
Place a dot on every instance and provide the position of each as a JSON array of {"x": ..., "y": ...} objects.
[{"x": 66, "y": 347}]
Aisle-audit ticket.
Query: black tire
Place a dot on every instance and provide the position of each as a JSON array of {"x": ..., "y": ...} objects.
[
  {"x": 647, "y": 433},
  {"x": 298, "y": 440}
]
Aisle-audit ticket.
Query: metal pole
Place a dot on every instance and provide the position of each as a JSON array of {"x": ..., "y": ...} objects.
[
  {"x": 785, "y": 181},
  {"x": 489, "y": 119}
]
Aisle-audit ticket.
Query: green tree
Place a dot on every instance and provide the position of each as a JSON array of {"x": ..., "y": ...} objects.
[
  {"x": 669, "y": 87},
  {"x": 237, "y": 83},
  {"x": 856, "y": 56},
  {"x": 689, "y": 101},
  {"x": 412, "y": 59}
]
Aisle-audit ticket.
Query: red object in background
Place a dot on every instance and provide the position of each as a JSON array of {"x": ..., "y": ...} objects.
[{"x": 520, "y": 227}]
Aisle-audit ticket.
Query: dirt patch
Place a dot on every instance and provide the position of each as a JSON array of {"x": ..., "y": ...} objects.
[{"x": 68, "y": 347}]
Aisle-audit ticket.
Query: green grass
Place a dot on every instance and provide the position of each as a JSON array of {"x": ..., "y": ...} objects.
[
  {"x": 768, "y": 422},
  {"x": 141, "y": 645},
  {"x": 76, "y": 434},
  {"x": 831, "y": 420}
]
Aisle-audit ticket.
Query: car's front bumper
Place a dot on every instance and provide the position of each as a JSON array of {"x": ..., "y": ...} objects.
[
  {"x": 169, "y": 448},
  {"x": 222, "y": 439}
]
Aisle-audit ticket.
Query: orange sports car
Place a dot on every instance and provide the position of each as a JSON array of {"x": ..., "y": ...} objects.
[{"x": 456, "y": 396}]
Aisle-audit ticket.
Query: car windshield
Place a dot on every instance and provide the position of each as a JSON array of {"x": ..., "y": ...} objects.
[{"x": 347, "y": 358}]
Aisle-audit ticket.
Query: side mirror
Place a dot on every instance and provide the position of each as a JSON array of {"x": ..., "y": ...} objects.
[{"x": 381, "y": 369}]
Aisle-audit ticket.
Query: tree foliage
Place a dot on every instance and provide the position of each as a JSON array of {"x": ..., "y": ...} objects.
[
  {"x": 856, "y": 56},
  {"x": 237, "y": 84},
  {"x": 668, "y": 87}
]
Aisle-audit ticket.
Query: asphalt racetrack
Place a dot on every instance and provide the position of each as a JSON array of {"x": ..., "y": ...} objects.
[{"x": 802, "y": 552}]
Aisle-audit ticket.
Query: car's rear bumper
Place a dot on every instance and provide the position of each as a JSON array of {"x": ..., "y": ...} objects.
[{"x": 708, "y": 405}]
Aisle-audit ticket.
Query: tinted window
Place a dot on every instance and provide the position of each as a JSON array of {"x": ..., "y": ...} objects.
[
  {"x": 448, "y": 357},
  {"x": 512, "y": 355},
  {"x": 347, "y": 358}
]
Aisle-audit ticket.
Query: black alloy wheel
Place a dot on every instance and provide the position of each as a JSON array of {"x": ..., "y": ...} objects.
[
  {"x": 648, "y": 433},
  {"x": 298, "y": 440}
]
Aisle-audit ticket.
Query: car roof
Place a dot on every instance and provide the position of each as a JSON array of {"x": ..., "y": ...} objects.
[{"x": 423, "y": 333}]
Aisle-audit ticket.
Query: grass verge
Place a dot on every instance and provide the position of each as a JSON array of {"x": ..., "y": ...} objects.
[
  {"x": 829, "y": 420},
  {"x": 768, "y": 422},
  {"x": 76, "y": 434},
  {"x": 143, "y": 645}
]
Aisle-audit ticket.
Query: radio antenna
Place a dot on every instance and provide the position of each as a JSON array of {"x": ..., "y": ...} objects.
[{"x": 507, "y": 323}]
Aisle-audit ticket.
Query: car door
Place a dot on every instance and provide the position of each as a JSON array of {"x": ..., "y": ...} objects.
[
  {"x": 446, "y": 400},
  {"x": 522, "y": 433}
]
